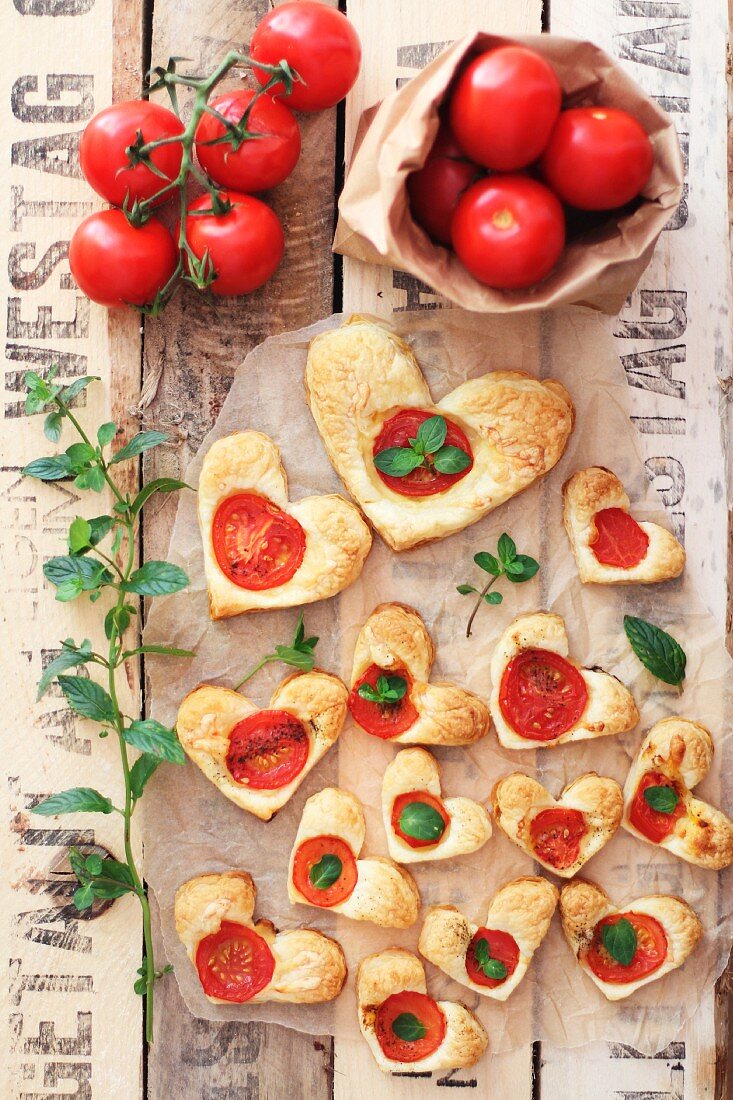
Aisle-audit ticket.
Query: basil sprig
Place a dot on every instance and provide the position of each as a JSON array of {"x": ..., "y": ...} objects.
[
  {"x": 517, "y": 568},
  {"x": 662, "y": 798},
  {"x": 619, "y": 940},
  {"x": 389, "y": 689},
  {"x": 421, "y": 821},
  {"x": 658, "y": 651},
  {"x": 408, "y": 1027},
  {"x": 428, "y": 449},
  {"x": 327, "y": 871},
  {"x": 492, "y": 968}
]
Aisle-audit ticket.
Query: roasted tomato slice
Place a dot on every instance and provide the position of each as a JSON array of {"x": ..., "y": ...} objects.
[
  {"x": 234, "y": 964},
  {"x": 651, "y": 950},
  {"x": 542, "y": 695},
  {"x": 422, "y": 812},
  {"x": 267, "y": 750},
  {"x": 256, "y": 544},
  {"x": 619, "y": 541},
  {"x": 655, "y": 824},
  {"x": 409, "y": 1026},
  {"x": 425, "y": 480},
  {"x": 383, "y": 720},
  {"x": 556, "y": 835},
  {"x": 501, "y": 946},
  {"x": 324, "y": 870}
]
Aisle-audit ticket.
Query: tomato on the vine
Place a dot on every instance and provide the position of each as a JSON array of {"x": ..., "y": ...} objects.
[
  {"x": 258, "y": 163},
  {"x": 103, "y": 157},
  {"x": 244, "y": 246},
  {"x": 115, "y": 264},
  {"x": 435, "y": 188},
  {"x": 235, "y": 963}
]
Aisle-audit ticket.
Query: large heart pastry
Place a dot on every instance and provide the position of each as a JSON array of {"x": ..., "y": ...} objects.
[{"x": 499, "y": 433}]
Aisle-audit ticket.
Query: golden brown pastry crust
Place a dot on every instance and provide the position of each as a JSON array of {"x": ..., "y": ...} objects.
[
  {"x": 337, "y": 539},
  {"x": 208, "y": 715},
  {"x": 590, "y": 491},
  {"x": 682, "y": 750},
  {"x": 393, "y": 971},
  {"x": 517, "y": 799},
  {"x": 309, "y": 967},
  {"x": 360, "y": 374}
]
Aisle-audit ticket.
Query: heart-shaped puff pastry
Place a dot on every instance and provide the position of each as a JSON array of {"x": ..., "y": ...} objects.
[
  {"x": 666, "y": 928},
  {"x": 394, "y": 641},
  {"x": 373, "y": 889},
  {"x": 232, "y": 741},
  {"x": 516, "y": 924},
  {"x": 305, "y": 966},
  {"x": 562, "y": 834},
  {"x": 411, "y": 782},
  {"x": 676, "y": 754},
  {"x": 609, "y": 546},
  {"x": 392, "y": 982},
  {"x": 326, "y": 535},
  {"x": 362, "y": 374},
  {"x": 540, "y": 698}
]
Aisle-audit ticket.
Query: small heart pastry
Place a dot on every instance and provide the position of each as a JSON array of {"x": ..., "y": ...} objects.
[
  {"x": 418, "y": 823},
  {"x": 259, "y": 758},
  {"x": 562, "y": 834},
  {"x": 659, "y": 805},
  {"x": 240, "y": 961},
  {"x": 493, "y": 958},
  {"x": 325, "y": 870},
  {"x": 260, "y": 550},
  {"x": 407, "y": 1031},
  {"x": 390, "y": 695},
  {"x": 609, "y": 545},
  {"x": 499, "y": 433},
  {"x": 540, "y": 698},
  {"x": 624, "y": 949}
]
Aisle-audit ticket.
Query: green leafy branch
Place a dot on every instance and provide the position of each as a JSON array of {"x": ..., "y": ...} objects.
[
  {"x": 517, "y": 568},
  {"x": 299, "y": 654},
  {"x": 427, "y": 449}
]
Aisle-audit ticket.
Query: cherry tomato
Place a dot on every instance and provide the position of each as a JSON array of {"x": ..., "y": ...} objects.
[
  {"x": 234, "y": 964},
  {"x": 556, "y": 835},
  {"x": 502, "y": 947},
  {"x": 116, "y": 265},
  {"x": 267, "y": 750},
  {"x": 542, "y": 695},
  {"x": 256, "y": 544},
  {"x": 383, "y": 720},
  {"x": 105, "y": 163},
  {"x": 651, "y": 950},
  {"x": 310, "y": 853},
  {"x": 435, "y": 188},
  {"x": 508, "y": 231},
  {"x": 619, "y": 541},
  {"x": 425, "y": 480},
  {"x": 259, "y": 163},
  {"x": 504, "y": 107},
  {"x": 244, "y": 245},
  {"x": 427, "y": 1011},
  {"x": 651, "y": 823},
  {"x": 426, "y": 799},
  {"x": 318, "y": 42},
  {"x": 598, "y": 158}
]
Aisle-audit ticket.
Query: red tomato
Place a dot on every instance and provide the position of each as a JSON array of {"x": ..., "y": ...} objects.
[
  {"x": 427, "y": 799},
  {"x": 312, "y": 852},
  {"x": 382, "y": 720},
  {"x": 425, "y": 480},
  {"x": 502, "y": 947},
  {"x": 409, "y": 1003},
  {"x": 116, "y": 265},
  {"x": 598, "y": 158},
  {"x": 234, "y": 964},
  {"x": 542, "y": 695},
  {"x": 105, "y": 163},
  {"x": 556, "y": 835},
  {"x": 435, "y": 188},
  {"x": 245, "y": 245},
  {"x": 256, "y": 544},
  {"x": 259, "y": 163},
  {"x": 318, "y": 42},
  {"x": 508, "y": 231},
  {"x": 619, "y": 541},
  {"x": 651, "y": 823},
  {"x": 651, "y": 950},
  {"x": 504, "y": 107},
  {"x": 267, "y": 750}
]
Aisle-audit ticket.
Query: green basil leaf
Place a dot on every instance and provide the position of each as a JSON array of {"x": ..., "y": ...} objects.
[
  {"x": 71, "y": 656},
  {"x": 296, "y": 658},
  {"x": 101, "y": 527},
  {"x": 75, "y": 800},
  {"x": 495, "y": 969},
  {"x": 93, "y": 864},
  {"x": 76, "y": 387},
  {"x": 487, "y": 562},
  {"x": 619, "y": 940},
  {"x": 112, "y": 880},
  {"x": 451, "y": 460},
  {"x": 141, "y": 771},
  {"x": 54, "y": 468},
  {"x": 92, "y": 478},
  {"x": 80, "y": 534},
  {"x": 80, "y": 455},
  {"x": 88, "y": 699},
  {"x": 431, "y": 434},
  {"x": 52, "y": 426},
  {"x": 327, "y": 871},
  {"x": 397, "y": 461},
  {"x": 156, "y": 578},
  {"x": 663, "y": 799},
  {"x": 421, "y": 821},
  {"x": 106, "y": 433},
  {"x": 466, "y": 589},
  {"x": 299, "y": 631},
  {"x": 84, "y": 897},
  {"x": 658, "y": 651},
  {"x": 407, "y": 1027},
  {"x": 151, "y": 736},
  {"x": 523, "y": 568},
  {"x": 493, "y": 598},
  {"x": 392, "y": 688},
  {"x": 366, "y": 691},
  {"x": 159, "y": 485},
  {"x": 139, "y": 443},
  {"x": 492, "y": 968},
  {"x": 90, "y": 573},
  {"x": 507, "y": 549},
  {"x": 69, "y": 590}
]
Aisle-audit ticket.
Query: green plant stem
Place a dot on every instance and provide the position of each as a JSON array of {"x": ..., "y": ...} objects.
[
  {"x": 489, "y": 584},
  {"x": 253, "y": 671}
]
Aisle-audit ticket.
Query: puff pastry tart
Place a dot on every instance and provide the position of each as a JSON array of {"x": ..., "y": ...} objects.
[
  {"x": 562, "y": 834},
  {"x": 238, "y": 960},
  {"x": 260, "y": 551},
  {"x": 624, "y": 949},
  {"x": 540, "y": 698},
  {"x": 259, "y": 758},
  {"x": 609, "y": 545},
  {"x": 480, "y": 445},
  {"x": 391, "y": 697},
  {"x": 659, "y": 805},
  {"x": 419, "y": 824},
  {"x": 408, "y": 1031},
  {"x": 326, "y": 872}
]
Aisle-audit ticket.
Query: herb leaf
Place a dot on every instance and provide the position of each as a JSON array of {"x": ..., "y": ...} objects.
[
  {"x": 466, "y": 589},
  {"x": 389, "y": 689},
  {"x": 506, "y": 549},
  {"x": 299, "y": 654},
  {"x": 523, "y": 568},
  {"x": 619, "y": 940},
  {"x": 75, "y": 800},
  {"x": 421, "y": 821},
  {"x": 492, "y": 968},
  {"x": 407, "y": 1027},
  {"x": 451, "y": 460},
  {"x": 153, "y": 737},
  {"x": 141, "y": 771},
  {"x": 517, "y": 568},
  {"x": 658, "y": 651},
  {"x": 431, "y": 434},
  {"x": 159, "y": 485},
  {"x": 55, "y": 468},
  {"x": 663, "y": 799},
  {"x": 71, "y": 656},
  {"x": 156, "y": 578},
  {"x": 487, "y": 562},
  {"x": 429, "y": 441},
  {"x": 88, "y": 699},
  {"x": 397, "y": 461},
  {"x": 327, "y": 871},
  {"x": 493, "y": 598},
  {"x": 139, "y": 443}
]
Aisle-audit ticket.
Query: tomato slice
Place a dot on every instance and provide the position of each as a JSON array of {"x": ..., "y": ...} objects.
[
  {"x": 310, "y": 853},
  {"x": 651, "y": 950},
  {"x": 397, "y": 431},
  {"x": 502, "y": 947},
  {"x": 267, "y": 750},
  {"x": 234, "y": 964},
  {"x": 426, "y": 799},
  {"x": 257, "y": 545},
  {"x": 542, "y": 695},
  {"x": 383, "y": 720},
  {"x": 619, "y": 540},
  {"x": 654, "y": 824},
  {"x": 556, "y": 835},
  {"x": 392, "y": 1012}
]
